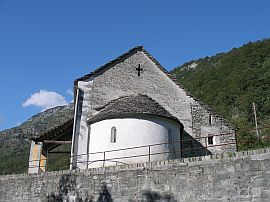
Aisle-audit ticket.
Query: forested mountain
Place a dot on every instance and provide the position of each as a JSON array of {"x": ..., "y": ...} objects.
[{"x": 230, "y": 83}]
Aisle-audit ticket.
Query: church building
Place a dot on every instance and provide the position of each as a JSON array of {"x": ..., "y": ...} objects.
[{"x": 131, "y": 110}]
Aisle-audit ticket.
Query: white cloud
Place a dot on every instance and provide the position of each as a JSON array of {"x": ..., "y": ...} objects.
[
  {"x": 45, "y": 100},
  {"x": 70, "y": 92}
]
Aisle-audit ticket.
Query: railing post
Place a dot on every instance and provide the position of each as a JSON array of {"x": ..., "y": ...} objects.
[
  {"x": 71, "y": 162},
  {"x": 149, "y": 153},
  {"x": 205, "y": 139},
  {"x": 39, "y": 169},
  {"x": 87, "y": 160},
  {"x": 47, "y": 160},
  {"x": 104, "y": 156}
]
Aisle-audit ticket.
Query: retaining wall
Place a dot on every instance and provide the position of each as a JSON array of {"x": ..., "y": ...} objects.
[{"x": 240, "y": 176}]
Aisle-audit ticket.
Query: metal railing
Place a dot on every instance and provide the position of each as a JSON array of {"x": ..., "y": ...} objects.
[
  {"x": 190, "y": 147},
  {"x": 201, "y": 146}
]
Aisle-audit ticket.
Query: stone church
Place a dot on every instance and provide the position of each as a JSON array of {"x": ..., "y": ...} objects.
[{"x": 131, "y": 110}]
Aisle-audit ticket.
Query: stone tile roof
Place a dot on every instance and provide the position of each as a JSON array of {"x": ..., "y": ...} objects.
[
  {"x": 128, "y": 106},
  {"x": 61, "y": 132}
]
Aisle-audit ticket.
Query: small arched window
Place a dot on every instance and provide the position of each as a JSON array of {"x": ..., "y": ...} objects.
[{"x": 113, "y": 134}]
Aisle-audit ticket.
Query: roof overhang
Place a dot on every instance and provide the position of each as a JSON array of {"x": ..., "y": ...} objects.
[{"x": 62, "y": 132}]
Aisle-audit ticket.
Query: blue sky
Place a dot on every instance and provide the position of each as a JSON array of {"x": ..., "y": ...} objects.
[{"x": 46, "y": 45}]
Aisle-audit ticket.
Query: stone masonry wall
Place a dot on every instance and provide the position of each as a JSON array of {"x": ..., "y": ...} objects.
[
  {"x": 241, "y": 176},
  {"x": 122, "y": 80}
]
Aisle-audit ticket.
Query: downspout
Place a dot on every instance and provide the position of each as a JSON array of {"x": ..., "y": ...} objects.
[{"x": 74, "y": 128}]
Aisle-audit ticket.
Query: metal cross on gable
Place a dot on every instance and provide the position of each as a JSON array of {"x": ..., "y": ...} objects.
[{"x": 139, "y": 69}]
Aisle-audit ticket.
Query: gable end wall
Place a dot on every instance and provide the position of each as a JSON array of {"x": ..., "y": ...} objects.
[{"x": 122, "y": 80}]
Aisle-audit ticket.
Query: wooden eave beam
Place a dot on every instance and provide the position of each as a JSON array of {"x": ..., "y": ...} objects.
[
  {"x": 56, "y": 142},
  {"x": 59, "y": 152}
]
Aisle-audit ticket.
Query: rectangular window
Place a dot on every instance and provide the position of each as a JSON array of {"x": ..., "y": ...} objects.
[
  {"x": 210, "y": 119},
  {"x": 210, "y": 140}
]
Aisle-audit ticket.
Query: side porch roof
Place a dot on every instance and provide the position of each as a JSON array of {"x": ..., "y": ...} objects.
[{"x": 61, "y": 132}]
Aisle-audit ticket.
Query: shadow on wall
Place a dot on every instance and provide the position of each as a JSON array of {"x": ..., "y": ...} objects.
[
  {"x": 151, "y": 196},
  {"x": 192, "y": 147},
  {"x": 67, "y": 192},
  {"x": 78, "y": 120},
  {"x": 104, "y": 195},
  {"x": 67, "y": 184}
]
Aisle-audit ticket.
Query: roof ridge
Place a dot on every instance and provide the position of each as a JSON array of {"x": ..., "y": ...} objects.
[{"x": 112, "y": 62}]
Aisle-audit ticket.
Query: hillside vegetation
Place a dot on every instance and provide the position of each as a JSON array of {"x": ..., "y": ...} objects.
[
  {"x": 15, "y": 143},
  {"x": 229, "y": 83}
]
